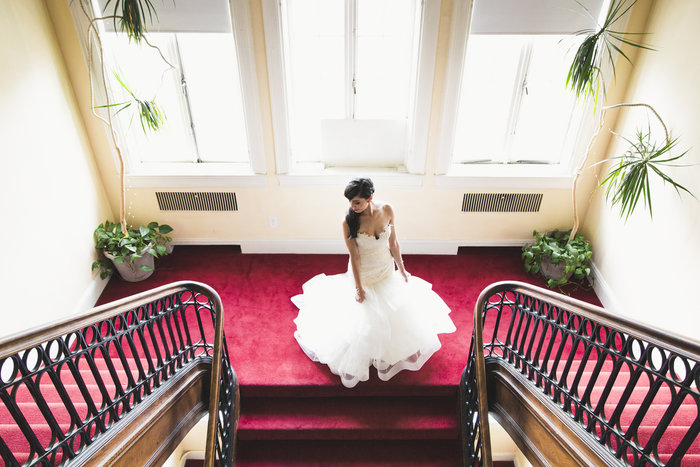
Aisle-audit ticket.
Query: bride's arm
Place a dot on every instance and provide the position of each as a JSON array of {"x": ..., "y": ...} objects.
[
  {"x": 354, "y": 262},
  {"x": 394, "y": 246}
]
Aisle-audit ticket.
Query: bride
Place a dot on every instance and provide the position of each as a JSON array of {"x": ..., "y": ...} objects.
[{"x": 376, "y": 314}]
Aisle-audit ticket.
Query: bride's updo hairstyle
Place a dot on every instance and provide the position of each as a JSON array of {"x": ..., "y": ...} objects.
[{"x": 364, "y": 188}]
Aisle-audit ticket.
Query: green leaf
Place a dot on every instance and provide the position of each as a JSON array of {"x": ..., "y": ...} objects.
[
  {"x": 165, "y": 229},
  {"x": 143, "y": 267}
]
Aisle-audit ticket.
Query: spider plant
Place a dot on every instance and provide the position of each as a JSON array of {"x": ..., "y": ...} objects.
[
  {"x": 585, "y": 75},
  {"x": 628, "y": 181},
  {"x": 132, "y": 19}
]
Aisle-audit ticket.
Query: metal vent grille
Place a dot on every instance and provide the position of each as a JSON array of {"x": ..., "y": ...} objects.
[
  {"x": 501, "y": 202},
  {"x": 196, "y": 201}
]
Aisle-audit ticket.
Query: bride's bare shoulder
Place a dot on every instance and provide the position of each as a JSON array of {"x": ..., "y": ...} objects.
[{"x": 386, "y": 208}]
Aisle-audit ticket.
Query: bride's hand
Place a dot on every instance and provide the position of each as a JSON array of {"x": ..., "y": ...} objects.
[
  {"x": 360, "y": 295},
  {"x": 405, "y": 275}
]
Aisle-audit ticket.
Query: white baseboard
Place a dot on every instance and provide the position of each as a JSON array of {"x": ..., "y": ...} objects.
[
  {"x": 337, "y": 246},
  {"x": 91, "y": 295},
  {"x": 604, "y": 291}
]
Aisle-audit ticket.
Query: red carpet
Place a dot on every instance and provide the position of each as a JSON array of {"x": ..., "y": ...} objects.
[{"x": 255, "y": 290}]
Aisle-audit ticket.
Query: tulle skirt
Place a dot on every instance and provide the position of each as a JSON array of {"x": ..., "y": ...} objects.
[{"x": 395, "y": 328}]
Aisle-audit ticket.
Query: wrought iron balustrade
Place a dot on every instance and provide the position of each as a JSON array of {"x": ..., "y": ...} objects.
[
  {"x": 608, "y": 374},
  {"x": 65, "y": 386}
]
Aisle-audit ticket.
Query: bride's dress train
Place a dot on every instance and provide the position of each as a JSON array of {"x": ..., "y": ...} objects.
[{"x": 394, "y": 329}]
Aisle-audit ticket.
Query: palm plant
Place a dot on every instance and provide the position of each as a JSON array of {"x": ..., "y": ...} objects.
[{"x": 585, "y": 75}]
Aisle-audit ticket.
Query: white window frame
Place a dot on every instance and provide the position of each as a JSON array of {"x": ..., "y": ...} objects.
[
  {"x": 419, "y": 120},
  {"x": 184, "y": 175},
  {"x": 512, "y": 176}
]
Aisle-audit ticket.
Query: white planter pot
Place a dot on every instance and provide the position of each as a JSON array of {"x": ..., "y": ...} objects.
[
  {"x": 130, "y": 271},
  {"x": 552, "y": 271}
]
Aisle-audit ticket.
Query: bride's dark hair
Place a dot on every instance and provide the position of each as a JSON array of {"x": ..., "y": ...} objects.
[{"x": 364, "y": 188}]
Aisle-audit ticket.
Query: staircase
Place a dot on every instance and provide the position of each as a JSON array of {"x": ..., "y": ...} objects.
[
  {"x": 370, "y": 425},
  {"x": 121, "y": 384},
  {"x": 589, "y": 386}
]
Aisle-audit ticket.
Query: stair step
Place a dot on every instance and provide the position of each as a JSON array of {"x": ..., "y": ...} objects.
[
  {"x": 349, "y": 418},
  {"x": 435, "y": 453},
  {"x": 366, "y": 389}
]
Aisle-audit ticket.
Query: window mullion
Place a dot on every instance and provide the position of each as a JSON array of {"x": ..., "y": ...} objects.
[
  {"x": 519, "y": 90},
  {"x": 186, "y": 99},
  {"x": 350, "y": 58}
]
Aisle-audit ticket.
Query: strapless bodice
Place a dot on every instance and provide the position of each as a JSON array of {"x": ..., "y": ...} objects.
[{"x": 376, "y": 262}]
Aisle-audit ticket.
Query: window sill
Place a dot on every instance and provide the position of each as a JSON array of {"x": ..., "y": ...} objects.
[
  {"x": 505, "y": 177},
  {"x": 188, "y": 175},
  {"x": 315, "y": 175}
]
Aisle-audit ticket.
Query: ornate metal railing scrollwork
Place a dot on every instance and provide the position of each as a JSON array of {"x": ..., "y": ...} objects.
[
  {"x": 65, "y": 385},
  {"x": 625, "y": 384}
]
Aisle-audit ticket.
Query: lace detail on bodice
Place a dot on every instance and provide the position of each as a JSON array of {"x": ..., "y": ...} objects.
[{"x": 376, "y": 263}]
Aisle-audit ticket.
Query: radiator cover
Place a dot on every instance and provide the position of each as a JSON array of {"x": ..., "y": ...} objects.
[
  {"x": 501, "y": 202},
  {"x": 197, "y": 200}
]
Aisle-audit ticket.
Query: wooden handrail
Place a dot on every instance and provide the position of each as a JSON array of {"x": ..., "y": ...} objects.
[
  {"x": 39, "y": 340},
  {"x": 612, "y": 338}
]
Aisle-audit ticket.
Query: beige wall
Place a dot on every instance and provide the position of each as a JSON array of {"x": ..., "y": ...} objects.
[
  {"x": 52, "y": 198},
  {"x": 653, "y": 266}
]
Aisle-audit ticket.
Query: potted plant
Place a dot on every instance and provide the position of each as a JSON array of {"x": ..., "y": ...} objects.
[
  {"x": 557, "y": 258},
  {"x": 562, "y": 257},
  {"x": 130, "y": 252}
]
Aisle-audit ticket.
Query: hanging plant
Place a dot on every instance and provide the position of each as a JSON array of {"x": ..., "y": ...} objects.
[{"x": 599, "y": 45}]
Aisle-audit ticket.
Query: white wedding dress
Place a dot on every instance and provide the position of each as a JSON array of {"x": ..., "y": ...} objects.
[{"x": 395, "y": 328}]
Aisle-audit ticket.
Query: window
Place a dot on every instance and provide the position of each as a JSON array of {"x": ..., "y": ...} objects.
[
  {"x": 350, "y": 81},
  {"x": 506, "y": 101},
  {"x": 212, "y": 117}
]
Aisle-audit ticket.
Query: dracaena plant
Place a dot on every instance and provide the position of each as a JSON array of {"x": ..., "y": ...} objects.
[
  {"x": 125, "y": 246},
  {"x": 628, "y": 180},
  {"x": 132, "y": 21},
  {"x": 132, "y": 16},
  {"x": 150, "y": 115},
  {"x": 600, "y": 45}
]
